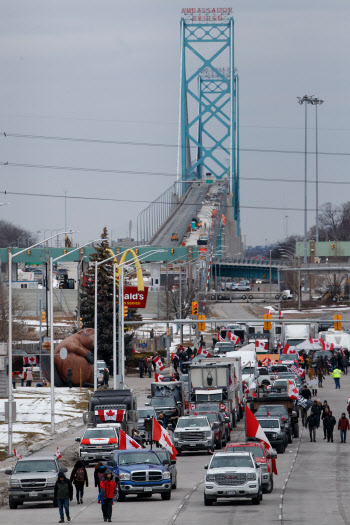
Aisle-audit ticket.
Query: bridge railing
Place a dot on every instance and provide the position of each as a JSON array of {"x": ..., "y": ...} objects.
[{"x": 253, "y": 262}]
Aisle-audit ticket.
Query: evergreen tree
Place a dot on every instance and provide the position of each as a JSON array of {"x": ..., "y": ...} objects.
[{"x": 104, "y": 302}]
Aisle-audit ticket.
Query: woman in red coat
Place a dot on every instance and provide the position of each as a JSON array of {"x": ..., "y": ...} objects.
[{"x": 108, "y": 491}]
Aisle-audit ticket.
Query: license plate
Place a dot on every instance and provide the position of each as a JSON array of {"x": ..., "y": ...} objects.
[
  {"x": 148, "y": 489},
  {"x": 32, "y": 494},
  {"x": 192, "y": 444},
  {"x": 230, "y": 493}
]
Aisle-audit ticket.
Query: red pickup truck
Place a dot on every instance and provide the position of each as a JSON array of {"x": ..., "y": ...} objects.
[{"x": 267, "y": 461}]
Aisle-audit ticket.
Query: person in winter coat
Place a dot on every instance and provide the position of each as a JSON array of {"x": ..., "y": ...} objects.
[
  {"x": 343, "y": 426},
  {"x": 324, "y": 415},
  {"x": 99, "y": 474},
  {"x": 320, "y": 377},
  {"x": 79, "y": 477},
  {"x": 29, "y": 377},
  {"x": 345, "y": 364},
  {"x": 329, "y": 423},
  {"x": 141, "y": 367},
  {"x": 311, "y": 422},
  {"x": 336, "y": 374},
  {"x": 63, "y": 493},
  {"x": 108, "y": 491},
  {"x": 317, "y": 410},
  {"x": 305, "y": 392},
  {"x": 149, "y": 368},
  {"x": 333, "y": 361},
  {"x": 23, "y": 376},
  {"x": 148, "y": 425},
  {"x": 106, "y": 377},
  {"x": 176, "y": 362}
]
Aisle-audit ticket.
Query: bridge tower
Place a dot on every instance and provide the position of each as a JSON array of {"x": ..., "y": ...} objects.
[{"x": 208, "y": 111}]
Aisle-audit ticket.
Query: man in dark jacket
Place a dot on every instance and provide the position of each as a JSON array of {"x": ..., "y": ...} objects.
[
  {"x": 305, "y": 392},
  {"x": 329, "y": 424},
  {"x": 343, "y": 426},
  {"x": 148, "y": 425},
  {"x": 317, "y": 409},
  {"x": 311, "y": 422},
  {"x": 63, "y": 493},
  {"x": 106, "y": 377},
  {"x": 108, "y": 491},
  {"x": 333, "y": 361}
]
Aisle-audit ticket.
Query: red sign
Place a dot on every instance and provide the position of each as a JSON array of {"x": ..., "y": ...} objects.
[
  {"x": 133, "y": 298},
  {"x": 206, "y": 14}
]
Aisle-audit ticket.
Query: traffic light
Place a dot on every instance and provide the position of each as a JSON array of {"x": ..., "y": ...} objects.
[
  {"x": 333, "y": 246},
  {"x": 42, "y": 317},
  {"x": 172, "y": 250},
  {"x": 201, "y": 326},
  {"x": 267, "y": 324},
  {"x": 29, "y": 252},
  {"x": 64, "y": 251},
  {"x": 168, "y": 331},
  {"x": 79, "y": 322},
  {"x": 337, "y": 323},
  {"x": 137, "y": 251},
  {"x": 194, "y": 307},
  {"x": 125, "y": 311}
]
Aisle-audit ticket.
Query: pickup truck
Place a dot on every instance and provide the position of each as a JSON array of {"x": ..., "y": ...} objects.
[
  {"x": 219, "y": 426},
  {"x": 275, "y": 432},
  {"x": 279, "y": 404},
  {"x": 139, "y": 472},
  {"x": 193, "y": 433},
  {"x": 262, "y": 456},
  {"x": 33, "y": 479},
  {"x": 231, "y": 476},
  {"x": 97, "y": 443}
]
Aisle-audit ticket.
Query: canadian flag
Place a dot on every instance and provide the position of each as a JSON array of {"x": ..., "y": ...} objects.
[
  {"x": 158, "y": 378},
  {"x": 245, "y": 388},
  {"x": 267, "y": 362},
  {"x": 58, "y": 453},
  {"x": 289, "y": 349},
  {"x": 30, "y": 360},
  {"x": 110, "y": 415},
  {"x": 220, "y": 338},
  {"x": 292, "y": 390},
  {"x": 327, "y": 346},
  {"x": 162, "y": 436},
  {"x": 261, "y": 345},
  {"x": 233, "y": 337},
  {"x": 172, "y": 357},
  {"x": 203, "y": 351},
  {"x": 280, "y": 314},
  {"x": 193, "y": 406},
  {"x": 126, "y": 442},
  {"x": 223, "y": 407},
  {"x": 315, "y": 341},
  {"x": 157, "y": 360},
  {"x": 254, "y": 429},
  {"x": 297, "y": 370},
  {"x": 279, "y": 345},
  {"x": 16, "y": 454}
]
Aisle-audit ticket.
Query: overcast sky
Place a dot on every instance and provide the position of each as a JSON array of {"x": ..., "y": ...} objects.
[{"x": 110, "y": 70}]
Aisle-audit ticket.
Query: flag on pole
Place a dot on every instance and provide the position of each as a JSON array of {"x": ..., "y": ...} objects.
[
  {"x": 157, "y": 360},
  {"x": 280, "y": 314},
  {"x": 289, "y": 349},
  {"x": 267, "y": 361},
  {"x": 163, "y": 437},
  {"x": 292, "y": 390},
  {"x": 297, "y": 370},
  {"x": 233, "y": 337},
  {"x": 30, "y": 360},
  {"x": 58, "y": 453},
  {"x": 158, "y": 378},
  {"x": 110, "y": 415},
  {"x": 254, "y": 429},
  {"x": 16, "y": 454},
  {"x": 261, "y": 345},
  {"x": 126, "y": 442},
  {"x": 204, "y": 352}
]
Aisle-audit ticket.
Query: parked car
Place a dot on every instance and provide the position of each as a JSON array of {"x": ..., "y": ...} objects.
[
  {"x": 165, "y": 457},
  {"x": 33, "y": 479},
  {"x": 264, "y": 458},
  {"x": 231, "y": 476}
]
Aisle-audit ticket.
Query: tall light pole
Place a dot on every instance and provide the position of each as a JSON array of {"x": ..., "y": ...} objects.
[
  {"x": 305, "y": 100},
  {"x": 316, "y": 101}
]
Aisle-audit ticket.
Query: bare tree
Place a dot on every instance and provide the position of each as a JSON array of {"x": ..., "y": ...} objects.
[
  {"x": 19, "y": 329},
  {"x": 170, "y": 302},
  {"x": 10, "y": 234}
]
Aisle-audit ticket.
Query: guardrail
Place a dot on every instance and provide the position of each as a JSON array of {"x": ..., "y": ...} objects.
[{"x": 231, "y": 296}]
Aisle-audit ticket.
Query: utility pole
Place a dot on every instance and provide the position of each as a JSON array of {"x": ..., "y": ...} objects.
[{"x": 316, "y": 101}]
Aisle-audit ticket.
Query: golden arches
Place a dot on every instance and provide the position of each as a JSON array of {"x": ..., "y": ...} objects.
[{"x": 140, "y": 284}]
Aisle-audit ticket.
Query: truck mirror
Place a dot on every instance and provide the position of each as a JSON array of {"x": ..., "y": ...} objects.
[
  {"x": 111, "y": 463},
  {"x": 8, "y": 471},
  {"x": 149, "y": 396},
  {"x": 173, "y": 462},
  {"x": 206, "y": 467},
  {"x": 77, "y": 439}
]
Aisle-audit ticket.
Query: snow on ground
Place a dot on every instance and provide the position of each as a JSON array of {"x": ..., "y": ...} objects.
[
  {"x": 322, "y": 309},
  {"x": 34, "y": 322},
  {"x": 33, "y": 414}
]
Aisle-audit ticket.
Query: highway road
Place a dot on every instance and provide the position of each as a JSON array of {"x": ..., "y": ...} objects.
[{"x": 180, "y": 220}]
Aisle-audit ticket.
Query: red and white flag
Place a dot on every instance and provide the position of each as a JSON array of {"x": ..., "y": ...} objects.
[
  {"x": 16, "y": 454},
  {"x": 110, "y": 415},
  {"x": 289, "y": 349},
  {"x": 126, "y": 442},
  {"x": 315, "y": 341},
  {"x": 233, "y": 337},
  {"x": 193, "y": 406},
  {"x": 279, "y": 345},
  {"x": 30, "y": 360},
  {"x": 204, "y": 352},
  {"x": 261, "y": 345},
  {"x": 327, "y": 346},
  {"x": 254, "y": 429},
  {"x": 157, "y": 360},
  {"x": 280, "y": 314},
  {"x": 267, "y": 362},
  {"x": 58, "y": 453},
  {"x": 245, "y": 388},
  {"x": 158, "y": 378},
  {"x": 223, "y": 407},
  {"x": 220, "y": 338},
  {"x": 292, "y": 390},
  {"x": 163, "y": 437},
  {"x": 297, "y": 370}
]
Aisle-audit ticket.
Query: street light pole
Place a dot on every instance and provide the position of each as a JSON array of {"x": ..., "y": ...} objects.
[{"x": 316, "y": 101}]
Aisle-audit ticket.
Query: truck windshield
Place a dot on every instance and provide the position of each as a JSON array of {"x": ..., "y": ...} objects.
[
  {"x": 192, "y": 422},
  {"x": 139, "y": 458},
  {"x": 163, "y": 402},
  {"x": 248, "y": 370},
  {"x": 256, "y": 451},
  {"x": 41, "y": 465},
  {"x": 213, "y": 418},
  {"x": 272, "y": 410},
  {"x": 269, "y": 423},
  {"x": 93, "y": 434},
  {"x": 209, "y": 397},
  {"x": 234, "y": 461},
  {"x": 294, "y": 342},
  {"x": 144, "y": 412}
]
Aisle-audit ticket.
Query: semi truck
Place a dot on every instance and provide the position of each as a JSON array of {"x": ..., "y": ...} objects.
[
  {"x": 294, "y": 334},
  {"x": 217, "y": 381},
  {"x": 168, "y": 398}
]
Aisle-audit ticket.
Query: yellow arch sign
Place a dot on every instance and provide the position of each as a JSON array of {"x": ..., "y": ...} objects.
[{"x": 140, "y": 284}]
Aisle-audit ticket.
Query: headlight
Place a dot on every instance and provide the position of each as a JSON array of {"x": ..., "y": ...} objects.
[
  {"x": 14, "y": 483},
  {"x": 264, "y": 467},
  {"x": 166, "y": 475},
  {"x": 177, "y": 434},
  {"x": 51, "y": 482},
  {"x": 124, "y": 477},
  {"x": 208, "y": 434},
  {"x": 210, "y": 477},
  {"x": 274, "y": 435},
  {"x": 251, "y": 477}
]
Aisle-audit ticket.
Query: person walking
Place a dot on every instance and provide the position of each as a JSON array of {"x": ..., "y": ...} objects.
[
  {"x": 311, "y": 422},
  {"x": 99, "y": 474},
  {"x": 345, "y": 364},
  {"x": 154, "y": 364},
  {"x": 343, "y": 426},
  {"x": 149, "y": 367},
  {"x": 336, "y": 374},
  {"x": 23, "y": 376},
  {"x": 29, "y": 377},
  {"x": 317, "y": 410},
  {"x": 333, "y": 362},
  {"x": 320, "y": 377},
  {"x": 329, "y": 423},
  {"x": 148, "y": 425},
  {"x": 79, "y": 477},
  {"x": 176, "y": 362},
  {"x": 305, "y": 392},
  {"x": 325, "y": 414},
  {"x": 141, "y": 367},
  {"x": 63, "y": 493},
  {"x": 108, "y": 491},
  {"x": 106, "y": 377}
]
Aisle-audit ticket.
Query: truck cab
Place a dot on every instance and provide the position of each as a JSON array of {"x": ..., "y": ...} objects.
[{"x": 193, "y": 433}]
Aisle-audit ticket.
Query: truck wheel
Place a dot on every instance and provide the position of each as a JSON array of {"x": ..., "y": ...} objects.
[
  {"x": 269, "y": 487},
  {"x": 243, "y": 297},
  {"x": 256, "y": 500},
  {"x": 284, "y": 297},
  {"x": 12, "y": 504},
  {"x": 281, "y": 449},
  {"x": 290, "y": 437},
  {"x": 334, "y": 299},
  {"x": 166, "y": 495},
  {"x": 296, "y": 430},
  {"x": 174, "y": 485},
  {"x": 250, "y": 297},
  {"x": 234, "y": 422},
  {"x": 277, "y": 296},
  {"x": 208, "y": 501}
]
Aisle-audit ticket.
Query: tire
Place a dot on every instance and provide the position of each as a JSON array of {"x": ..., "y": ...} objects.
[
  {"x": 166, "y": 495},
  {"x": 250, "y": 297},
  {"x": 12, "y": 504},
  {"x": 54, "y": 503},
  {"x": 179, "y": 451},
  {"x": 290, "y": 438},
  {"x": 120, "y": 495},
  {"x": 281, "y": 449},
  {"x": 243, "y": 297},
  {"x": 266, "y": 382},
  {"x": 341, "y": 299},
  {"x": 218, "y": 445},
  {"x": 277, "y": 296},
  {"x": 220, "y": 297},
  {"x": 334, "y": 299},
  {"x": 213, "y": 297},
  {"x": 174, "y": 485},
  {"x": 296, "y": 430},
  {"x": 256, "y": 500},
  {"x": 284, "y": 297},
  {"x": 269, "y": 488},
  {"x": 208, "y": 501}
]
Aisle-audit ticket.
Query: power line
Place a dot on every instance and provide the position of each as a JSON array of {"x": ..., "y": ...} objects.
[
  {"x": 157, "y": 174},
  {"x": 164, "y": 145},
  {"x": 142, "y": 201}
]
